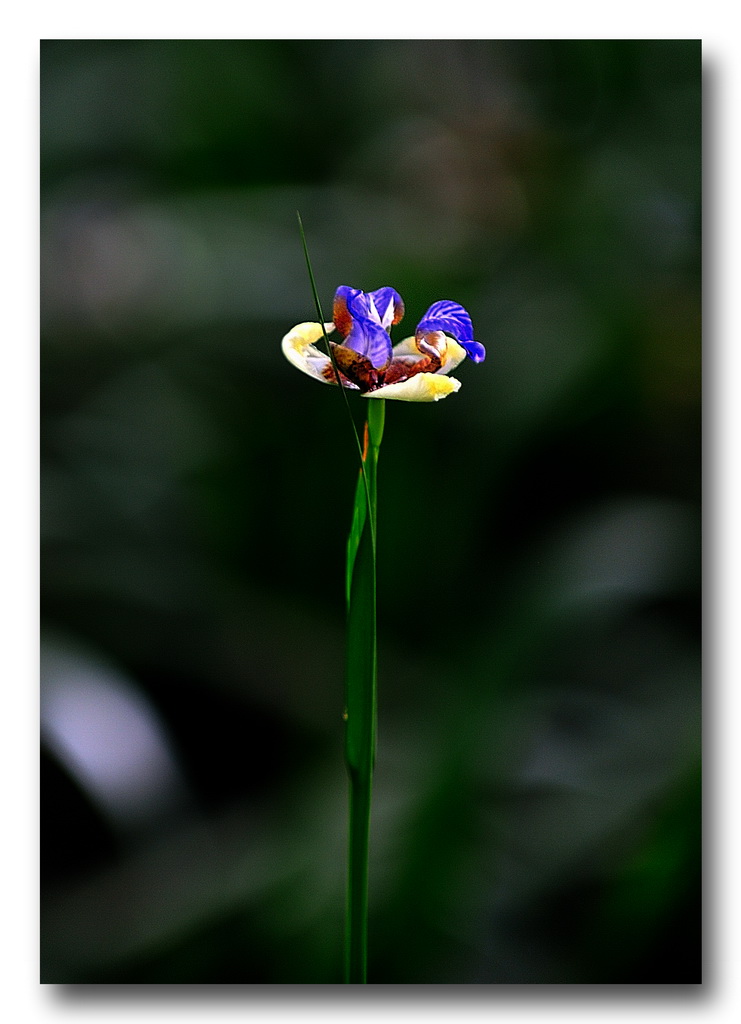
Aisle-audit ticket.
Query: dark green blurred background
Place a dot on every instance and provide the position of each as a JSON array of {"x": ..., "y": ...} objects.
[{"x": 537, "y": 809}]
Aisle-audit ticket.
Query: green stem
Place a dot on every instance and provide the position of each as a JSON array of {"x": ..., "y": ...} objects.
[
  {"x": 360, "y": 687},
  {"x": 361, "y": 701}
]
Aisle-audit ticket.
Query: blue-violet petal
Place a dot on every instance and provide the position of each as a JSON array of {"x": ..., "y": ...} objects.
[
  {"x": 452, "y": 318},
  {"x": 370, "y": 340}
]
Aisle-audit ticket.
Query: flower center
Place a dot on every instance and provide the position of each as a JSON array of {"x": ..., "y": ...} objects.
[{"x": 358, "y": 372}]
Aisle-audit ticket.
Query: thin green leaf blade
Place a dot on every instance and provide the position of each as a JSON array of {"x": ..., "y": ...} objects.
[
  {"x": 361, "y": 659},
  {"x": 359, "y": 518}
]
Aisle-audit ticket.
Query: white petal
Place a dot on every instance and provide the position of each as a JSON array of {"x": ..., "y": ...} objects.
[
  {"x": 423, "y": 387},
  {"x": 299, "y": 348},
  {"x": 454, "y": 355}
]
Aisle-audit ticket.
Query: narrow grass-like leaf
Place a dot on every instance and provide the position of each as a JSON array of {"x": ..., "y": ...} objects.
[
  {"x": 359, "y": 518},
  {"x": 364, "y": 492},
  {"x": 361, "y": 623},
  {"x": 330, "y": 353}
]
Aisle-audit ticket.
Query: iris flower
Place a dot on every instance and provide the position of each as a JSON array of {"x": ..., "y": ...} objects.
[{"x": 415, "y": 370}]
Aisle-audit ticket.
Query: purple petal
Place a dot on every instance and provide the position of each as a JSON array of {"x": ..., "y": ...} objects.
[
  {"x": 383, "y": 306},
  {"x": 364, "y": 320},
  {"x": 389, "y": 306},
  {"x": 370, "y": 340},
  {"x": 341, "y": 312},
  {"x": 452, "y": 318},
  {"x": 360, "y": 305}
]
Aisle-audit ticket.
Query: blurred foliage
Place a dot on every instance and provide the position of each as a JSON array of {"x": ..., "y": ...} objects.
[{"x": 537, "y": 799}]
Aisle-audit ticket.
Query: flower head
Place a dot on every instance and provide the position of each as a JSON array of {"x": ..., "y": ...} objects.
[{"x": 415, "y": 370}]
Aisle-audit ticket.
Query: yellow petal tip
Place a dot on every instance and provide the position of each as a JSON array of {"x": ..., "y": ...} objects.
[{"x": 423, "y": 387}]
